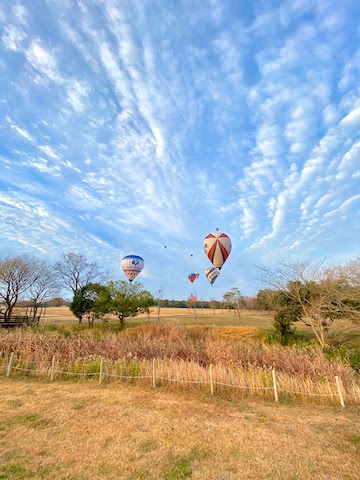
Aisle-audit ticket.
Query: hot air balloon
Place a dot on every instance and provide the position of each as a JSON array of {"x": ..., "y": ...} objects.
[
  {"x": 192, "y": 277},
  {"x": 211, "y": 274},
  {"x": 132, "y": 266},
  {"x": 193, "y": 298},
  {"x": 217, "y": 247},
  {"x": 197, "y": 274}
]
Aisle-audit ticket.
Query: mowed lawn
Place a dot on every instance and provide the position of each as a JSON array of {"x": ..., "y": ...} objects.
[{"x": 86, "y": 431}]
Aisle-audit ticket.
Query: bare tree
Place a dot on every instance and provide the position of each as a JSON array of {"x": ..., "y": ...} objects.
[
  {"x": 17, "y": 276},
  {"x": 76, "y": 271},
  {"x": 46, "y": 285},
  {"x": 213, "y": 305},
  {"x": 320, "y": 294},
  {"x": 235, "y": 299}
]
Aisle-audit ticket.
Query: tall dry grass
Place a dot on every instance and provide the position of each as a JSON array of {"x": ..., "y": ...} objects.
[
  {"x": 242, "y": 364},
  {"x": 202, "y": 345},
  {"x": 175, "y": 374}
]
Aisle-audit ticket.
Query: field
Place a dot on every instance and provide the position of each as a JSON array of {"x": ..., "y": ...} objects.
[
  {"x": 83, "y": 431},
  {"x": 74, "y": 428},
  {"x": 62, "y": 315}
]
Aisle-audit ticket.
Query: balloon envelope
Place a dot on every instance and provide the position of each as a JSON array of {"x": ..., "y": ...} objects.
[
  {"x": 217, "y": 247},
  {"x": 132, "y": 266},
  {"x": 211, "y": 274},
  {"x": 192, "y": 277}
]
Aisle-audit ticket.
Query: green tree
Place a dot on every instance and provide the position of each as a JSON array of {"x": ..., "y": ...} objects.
[
  {"x": 91, "y": 300},
  {"x": 265, "y": 299},
  {"x": 126, "y": 300}
]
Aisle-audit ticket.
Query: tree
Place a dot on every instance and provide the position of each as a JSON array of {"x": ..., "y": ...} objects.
[
  {"x": 44, "y": 287},
  {"x": 235, "y": 299},
  {"x": 76, "y": 271},
  {"x": 158, "y": 299},
  {"x": 265, "y": 299},
  {"x": 315, "y": 294},
  {"x": 91, "y": 301},
  {"x": 126, "y": 300},
  {"x": 17, "y": 276}
]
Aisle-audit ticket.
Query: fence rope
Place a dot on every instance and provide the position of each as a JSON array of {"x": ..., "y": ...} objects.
[
  {"x": 181, "y": 381},
  {"x": 46, "y": 370},
  {"x": 76, "y": 373},
  {"x": 125, "y": 376},
  {"x": 242, "y": 386},
  {"x": 29, "y": 369}
]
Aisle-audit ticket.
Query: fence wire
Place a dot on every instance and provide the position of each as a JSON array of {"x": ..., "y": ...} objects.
[
  {"x": 176, "y": 380},
  {"x": 103, "y": 375},
  {"x": 243, "y": 386}
]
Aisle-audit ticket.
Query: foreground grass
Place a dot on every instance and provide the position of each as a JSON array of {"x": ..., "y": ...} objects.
[{"x": 84, "y": 431}]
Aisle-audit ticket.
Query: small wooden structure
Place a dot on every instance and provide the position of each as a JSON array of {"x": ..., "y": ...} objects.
[{"x": 20, "y": 320}]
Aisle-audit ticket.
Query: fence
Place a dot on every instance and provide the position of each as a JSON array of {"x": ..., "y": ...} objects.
[{"x": 216, "y": 380}]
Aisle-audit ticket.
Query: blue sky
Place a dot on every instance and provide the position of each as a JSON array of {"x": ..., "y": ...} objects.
[{"x": 128, "y": 126}]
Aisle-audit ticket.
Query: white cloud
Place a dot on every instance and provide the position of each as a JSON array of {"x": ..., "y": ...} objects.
[
  {"x": 43, "y": 61},
  {"x": 349, "y": 201},
  {"x": 20, "y": 131},
  {"x": 20, "y": 13},
  {"x": 13, "y": 37},
  {"x": 49, "y": 151},
  {"x": 78, "y": 92}
]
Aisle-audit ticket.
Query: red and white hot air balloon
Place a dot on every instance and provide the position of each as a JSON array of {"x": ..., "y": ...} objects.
[{"x": 217, "y": 247}]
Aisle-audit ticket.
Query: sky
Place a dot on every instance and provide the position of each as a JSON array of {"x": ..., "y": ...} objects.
[{"x": 138, "y": 127}]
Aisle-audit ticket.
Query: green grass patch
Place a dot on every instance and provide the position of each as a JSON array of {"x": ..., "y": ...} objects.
[
  {"x": 32, "y": 421},
  {"x": 181, "y": 468},
  {"x": 15, "y": 471},
  {"x": 355, "y": 438},
  {"x": 147, "y": 446}
]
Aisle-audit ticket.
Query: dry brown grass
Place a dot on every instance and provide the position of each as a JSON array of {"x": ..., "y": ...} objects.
[
  {"x": 242, "y": 363},
  {"x": 204, "y": 345},
  {"x": 84, "y": 431},
  {"x": 62, "y": 315},
  {"x": 228, "y": 381}
]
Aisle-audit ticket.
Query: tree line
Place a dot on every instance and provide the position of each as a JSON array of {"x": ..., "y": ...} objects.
[
  {"x": 30, "y": 282},
  {"x": 312, "y": 293}
]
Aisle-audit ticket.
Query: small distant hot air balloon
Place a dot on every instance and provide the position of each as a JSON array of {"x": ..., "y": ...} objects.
[
  {"x": 211, "y": 274},
  {"x": 132, "y": 266},
  {"x": 193, "y": 298},
  {"x": 217, "y": 247},
  {"x": 192, "y": 277},
  {"x": 197, "y": 274}
]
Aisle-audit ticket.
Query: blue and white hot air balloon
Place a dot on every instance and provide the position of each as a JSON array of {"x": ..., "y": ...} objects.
[
  {"x": 132, "y": 266},
  {"x": 211, "y": 274}
]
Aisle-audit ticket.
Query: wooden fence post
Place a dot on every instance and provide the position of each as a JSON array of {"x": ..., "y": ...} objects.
[
  {"x": 101, "y": 369},
  {"x": 211, "y": 373},
  {"x": 341, "y": 398},
  {"x": 275, "y": 385},
  {"x": 154, "y": 373},
  {"x": 52, "y": 368},
  {"x": 10, "y": 364}
]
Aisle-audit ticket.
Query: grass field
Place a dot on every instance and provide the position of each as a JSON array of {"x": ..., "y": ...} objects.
[
  {"x": 342, "y": 332},
  {"x": 62, "y": 315},
  {"x": 83, "y": 431}
]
